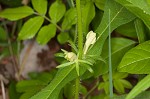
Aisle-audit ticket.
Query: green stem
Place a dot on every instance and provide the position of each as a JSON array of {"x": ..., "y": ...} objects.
[
  {"x": 77, "y": 88},
  {"x": 10, "y": 48},
  {"x": 59, "y": 28},
  {"x": 93, "y": 88},
  {"x": 79, "y": 26},
  {"x": 14, "y": 28},
  {"x": 110, "y": 64},
  {"x": 80, "y": 42}
]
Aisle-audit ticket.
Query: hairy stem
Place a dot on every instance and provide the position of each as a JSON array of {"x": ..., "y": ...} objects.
[
  {"x": 77, "y": 88},
  {"x": 79, "y": 26},
  {"x": 80, "y": 43}
]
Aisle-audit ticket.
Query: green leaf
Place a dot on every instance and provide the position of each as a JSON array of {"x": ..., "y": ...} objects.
[
  {"x": 16, "y": 13},
  {"x": 100, "y": 4},
  {"x": 28, "y": 94},
  {"x": 30, "y": 28},
  {"x": 118, "y": 16},
  {"x": 13, "y": 94},
  {"x": 119, "y": 75},
  {"x": 139, "y": 26},
  {"x": 65, "y": 64},
  {"x": 69, "y": 90},
  {"x": 148, "y": 2},
  {"x": 29, "y": 85},
  {"x": 3, "y": 35},
  {"x": 88, "y": 13},
  {"x": 141, "y": 86},
  {"x": 89, "y": 68},
  {"x": 83, "y": 89},
  {"x": 143, "y": 95},
  {"x": 6, "y": 52},
  {"x": 127, "y": 29},
  {"x": 63, "y": 37},
  {"x": 101, "y": 86},
  {"x": 100, "y": 68},
  {"x": 70, "y": 19},
  {"x": 62, "y": 77},
  {"x": 139, "y": 7},
  {"x": 40, "y": 6},
  {"x": 106, "y": 87},
  {"x": 73, "y": 46},
  {"x": 119, "y": 47},
  {"x": 60, "y": 55},
  {"x": 99, "y": 96},
  {"x": 126, "y": 83},
  {"x": 45, "y": 77},
  {"x": 86, "y": 62},
  {"x": 105, "y": 77},
  {"x": 57, "y": 11},
  {"x": 136, "y": 60},
  {"x": 118, "y": 86},
  {"x": 46, "y": 33},
  {"x": 97, "y": 19}
]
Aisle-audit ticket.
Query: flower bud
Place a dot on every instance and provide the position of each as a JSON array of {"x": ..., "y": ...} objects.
[
  {"x": 70, "y": 56},
  {"x": 90, "y": 39}
]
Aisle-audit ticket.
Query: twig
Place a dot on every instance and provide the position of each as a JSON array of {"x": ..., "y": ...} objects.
[
  {"x": 49, "y": 20},
  {"x": 10, "y": 48},
  {"x": 3, "y": 90},
  {"x": 25, "y": 57},
  {"x": 93, "y": 88},
  {"x": 2, "y": 79}
]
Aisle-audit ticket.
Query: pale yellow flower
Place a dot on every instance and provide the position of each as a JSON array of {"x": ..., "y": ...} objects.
[{"x": 90, "y": 39}]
